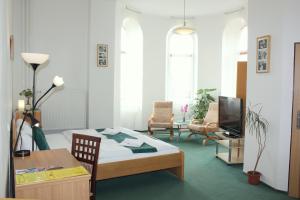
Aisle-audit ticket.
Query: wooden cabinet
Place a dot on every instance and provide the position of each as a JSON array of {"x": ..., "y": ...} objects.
[
  {"x": 37, "y": 116},
  {"x": 75, "y": 188}
]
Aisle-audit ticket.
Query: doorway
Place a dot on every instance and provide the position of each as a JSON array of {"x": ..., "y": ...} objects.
[{"x": 294, "y": 176}]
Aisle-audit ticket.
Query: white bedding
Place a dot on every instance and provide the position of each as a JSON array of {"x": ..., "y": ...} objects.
[{"x": 110, "y": 150}]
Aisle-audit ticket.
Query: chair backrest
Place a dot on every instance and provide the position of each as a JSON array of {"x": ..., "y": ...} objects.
[
  {"x": 162, "y": 111},
  {"x": 212, "y": 115},
  {"x": 85, "y": 149}
]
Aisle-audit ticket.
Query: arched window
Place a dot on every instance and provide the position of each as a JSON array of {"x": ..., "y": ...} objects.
[
  {"x": 131, "y": 74},
  {"x": 243, "y": 48},
  {"x": 181, "y": 74}
]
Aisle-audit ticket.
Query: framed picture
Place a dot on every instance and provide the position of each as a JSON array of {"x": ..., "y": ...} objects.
[
  {"x": 263, "y": 54},
  {"x": 102, "y": 55}
]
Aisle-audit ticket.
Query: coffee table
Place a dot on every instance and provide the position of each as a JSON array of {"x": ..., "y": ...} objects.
[{"x": 182, "y": 127}]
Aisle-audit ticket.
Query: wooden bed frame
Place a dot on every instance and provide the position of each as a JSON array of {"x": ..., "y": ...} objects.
[{"x": 174, "y": 163}]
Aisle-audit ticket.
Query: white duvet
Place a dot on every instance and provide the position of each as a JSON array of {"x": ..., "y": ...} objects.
[{"x": 110, "y": 150}]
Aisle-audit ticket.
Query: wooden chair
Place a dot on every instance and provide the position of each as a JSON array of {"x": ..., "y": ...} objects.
[
  {"x": 85, "y": 149},
  {"x": 162, "y": 117},
  {"x": 210, "y": 124}
]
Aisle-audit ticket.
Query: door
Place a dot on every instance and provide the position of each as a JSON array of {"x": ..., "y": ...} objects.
[
  {"x": 294, "y": 177},
  {"x": 241, "y": 87}
]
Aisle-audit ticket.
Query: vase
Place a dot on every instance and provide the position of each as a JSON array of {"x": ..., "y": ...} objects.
[{"x": 28, "y": 105}]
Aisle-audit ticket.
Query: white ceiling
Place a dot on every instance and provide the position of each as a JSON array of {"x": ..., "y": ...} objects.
[{"x": 174, "y": 8}]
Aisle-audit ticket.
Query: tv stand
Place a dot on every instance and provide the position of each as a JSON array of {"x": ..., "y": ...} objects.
[
  {"x": 229, "y": 135},
  {"x": 234, "y": 148}
]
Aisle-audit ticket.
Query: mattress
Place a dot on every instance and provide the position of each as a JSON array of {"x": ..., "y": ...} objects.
[{"x": 110, "y": 150}]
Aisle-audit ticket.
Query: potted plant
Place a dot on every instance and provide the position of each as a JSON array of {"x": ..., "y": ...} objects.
[
  {"x": 184, "y": 110},
  {"x": 258, "y": 126},
  {"x": 204, "y": 98},
  {"x": 27, "y": 93}
]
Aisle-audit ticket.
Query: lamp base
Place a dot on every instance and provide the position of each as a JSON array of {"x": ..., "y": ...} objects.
[{"x": 22, "y": 153}]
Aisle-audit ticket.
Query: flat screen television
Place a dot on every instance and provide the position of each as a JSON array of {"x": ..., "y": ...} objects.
[{"x": 231, "y": 115}]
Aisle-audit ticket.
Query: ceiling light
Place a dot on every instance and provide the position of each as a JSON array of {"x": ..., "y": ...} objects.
[{"x": 184, "y": 30}]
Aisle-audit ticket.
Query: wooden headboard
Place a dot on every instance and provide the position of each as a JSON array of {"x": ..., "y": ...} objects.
[
  {"x": 19, "y": 115},
  {"x": 14, "y": 129}
]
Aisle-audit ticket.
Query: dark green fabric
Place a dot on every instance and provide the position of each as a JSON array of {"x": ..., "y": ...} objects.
[
  {"x": 100, "y": 129},
  {"x": 144, "y": 148},
  {"x": 119, "y": 137},
  {"x": 40, "y": 139}
]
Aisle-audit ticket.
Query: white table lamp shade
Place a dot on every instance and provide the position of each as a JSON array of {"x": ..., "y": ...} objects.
[
  {"x": 21, "y": 105},
  {"x": 35, "y": 58}
]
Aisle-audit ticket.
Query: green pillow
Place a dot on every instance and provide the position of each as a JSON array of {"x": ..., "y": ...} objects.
[{"x": 40, "y": 139}]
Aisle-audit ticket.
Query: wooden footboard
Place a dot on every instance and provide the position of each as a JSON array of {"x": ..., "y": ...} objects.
[{"x": 174, "y": 163}]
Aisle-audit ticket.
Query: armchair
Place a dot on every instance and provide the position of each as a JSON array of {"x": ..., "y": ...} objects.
[
  {"x": 162, "y": 117},
  {"x": 210, "y": 124}
]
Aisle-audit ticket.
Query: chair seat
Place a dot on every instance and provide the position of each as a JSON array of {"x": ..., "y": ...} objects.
[
  {"x": 202, "y": 128},
  {"x": 161, "y": 124}
]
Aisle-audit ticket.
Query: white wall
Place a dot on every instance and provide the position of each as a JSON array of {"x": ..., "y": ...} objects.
[
  {"x": 58, "y": 28},
  {"x": 155, "y": 30},
  {"x": 210, "y": 31},
  {"x": 69, "y": 31},
  {"x": 230, "y": 55},
  {"x": 101, "y": 80},
  {"x": 5, "y": 92},
  {"x": 273, "y": 90}
]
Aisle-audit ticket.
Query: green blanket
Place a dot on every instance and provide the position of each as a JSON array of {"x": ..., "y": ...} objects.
[{"x": 119, "y": 137}]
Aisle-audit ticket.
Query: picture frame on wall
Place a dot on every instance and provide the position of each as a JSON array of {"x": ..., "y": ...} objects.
[
  {"x": 263, "y": 54},
  {"x": 102, "y": 55}
]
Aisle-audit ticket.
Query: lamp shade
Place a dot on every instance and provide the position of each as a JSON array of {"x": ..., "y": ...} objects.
[
  {"x": 35, "y": 58},
  {"x": 58, "y": 81},
  {"x": 184, "y": 30},
  {"x": 21, "y": 105}
]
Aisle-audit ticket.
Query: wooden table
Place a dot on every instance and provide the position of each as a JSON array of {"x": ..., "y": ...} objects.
[{"x": 75, "y": 188}]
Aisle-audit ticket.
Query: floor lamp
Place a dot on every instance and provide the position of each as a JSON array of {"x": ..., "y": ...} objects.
[
  {"x": 57, "y": 82},
  {"x": 35, "y": 60}
]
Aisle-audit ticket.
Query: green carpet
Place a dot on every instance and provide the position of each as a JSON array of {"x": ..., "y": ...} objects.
[{"x": 206, "y": 178}]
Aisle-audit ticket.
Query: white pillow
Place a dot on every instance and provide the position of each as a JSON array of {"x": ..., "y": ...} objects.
[{"x": 26, "y": 135}]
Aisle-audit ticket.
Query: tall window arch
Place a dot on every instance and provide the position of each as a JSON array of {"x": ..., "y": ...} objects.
[
  {"x": 181, "y": 73},
  {"x": 243, "y": 44},
  {"x": 131, "y": 74}
]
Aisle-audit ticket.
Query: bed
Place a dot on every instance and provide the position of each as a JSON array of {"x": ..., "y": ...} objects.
[{"x": 117, "y": 161}]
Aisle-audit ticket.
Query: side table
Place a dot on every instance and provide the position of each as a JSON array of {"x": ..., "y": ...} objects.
[
  {"x": 234, "y": 146},
  {"x": 182, "y": 127}
]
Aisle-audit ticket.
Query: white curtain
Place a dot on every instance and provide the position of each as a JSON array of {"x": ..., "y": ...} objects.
[
  {"x": 181, "y": 70},
  {"x": 131, "y": 75}
]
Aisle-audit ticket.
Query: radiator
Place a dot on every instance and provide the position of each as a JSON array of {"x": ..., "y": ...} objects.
[{"x": 65, "y": 109}]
